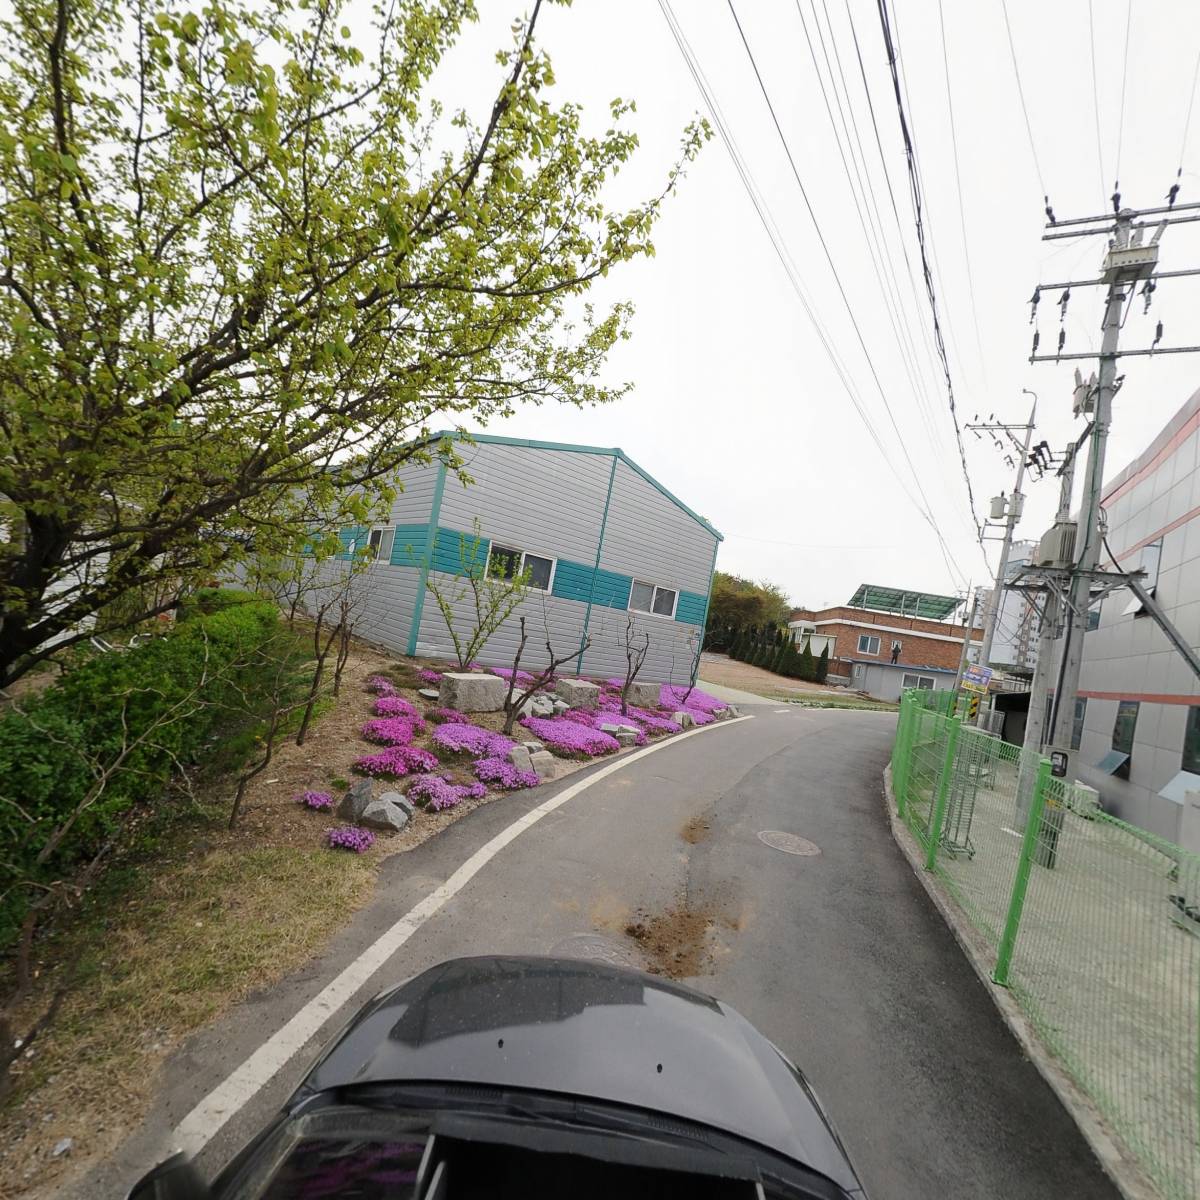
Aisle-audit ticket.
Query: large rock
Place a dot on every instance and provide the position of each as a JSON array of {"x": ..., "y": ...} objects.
[
  {"x": 561, "y": 707},
  {"x": 472, "y": 693},
  {"x": 402, "y": 800},
  {"x": 538, "y": 705},
  {"x": 683, "y": 719},
  {"x": 644, "y": 695},
  {"x": 385, "y": 815},
  {"x": 520, "y": 758},
  {"x": 614, "y": 728},
  {"x": 545, "y": 764},
  {"x": 578, "y": 693},
  {"x": 533, "y": 746},
  {"x": 429, "y": 693},
  {"x": 626, "y": 737},
  {"x": 355, "y": 800}
]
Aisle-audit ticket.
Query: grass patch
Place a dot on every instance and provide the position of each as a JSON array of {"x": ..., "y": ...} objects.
[
  {"x": 163, "y": 946},
  {"x": 844, "y": 702}
]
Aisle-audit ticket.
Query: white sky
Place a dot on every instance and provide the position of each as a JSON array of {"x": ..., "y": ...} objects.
[{"x": 736, "y": 407}]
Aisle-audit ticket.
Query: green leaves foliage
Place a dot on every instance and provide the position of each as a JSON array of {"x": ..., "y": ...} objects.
[
  {"x": 249, "y": 266},
  {"x": 108, "y": 735}
]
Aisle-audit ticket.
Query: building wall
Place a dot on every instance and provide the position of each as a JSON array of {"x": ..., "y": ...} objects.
[
  {"x": 922, "y": 642},
  {"x": 603, "y": 522},
  {"x": 1127, "y": 656},
  {"x": 885, "y": 682}
]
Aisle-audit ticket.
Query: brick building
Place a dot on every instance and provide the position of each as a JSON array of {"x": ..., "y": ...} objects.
[{"x": 881, "y": 623}]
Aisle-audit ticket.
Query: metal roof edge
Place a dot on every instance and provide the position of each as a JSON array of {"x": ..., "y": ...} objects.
[{"x": 570, "y": 447}]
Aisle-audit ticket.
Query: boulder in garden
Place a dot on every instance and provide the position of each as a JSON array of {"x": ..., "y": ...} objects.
[
  {"x": 355, "y": 800},
  {"x": 468, "y": 693}
]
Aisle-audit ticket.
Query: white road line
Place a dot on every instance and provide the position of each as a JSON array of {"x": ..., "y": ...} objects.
[
  {"x": 210, "y": 1115},
  {"x": 778, "y": 710}
]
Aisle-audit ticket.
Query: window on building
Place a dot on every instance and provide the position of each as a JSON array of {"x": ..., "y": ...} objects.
[
  {"x": 918, "y": 681},
  {"x": 1151, "y": 559},
  {"x": 650, "y": 598},
  {"x": 1191, "y": 741},
  {"x": 868, "y": 643},
  {"x": 380, "y": 544},
  {"x": 1077, "y": 721},
  {"x": 1117, "y": 761},
  {"x": 504, "y": 562}
]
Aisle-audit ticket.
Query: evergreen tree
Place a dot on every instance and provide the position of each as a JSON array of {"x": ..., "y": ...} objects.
[
  {"x": 791, "y": 665},
  {"x": 823, "y": 664},
  {"x": 808, "y": 666},
  {"x": 737, "y": 648},
  {"x": 780, "y": 665}
]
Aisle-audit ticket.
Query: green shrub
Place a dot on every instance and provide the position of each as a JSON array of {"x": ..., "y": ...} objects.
[
  {"x": 823, "y": 664},
  {"x": 133, "y": 710},
  {"x": 205, "y": 601},
  {"x": 808, "y": 665}
]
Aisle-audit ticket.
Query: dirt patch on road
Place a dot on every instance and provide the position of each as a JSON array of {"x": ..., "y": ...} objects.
[
  {"x": 675, "y": 942},
  {"x": 730, "y": 673},
  {"x": 695, "y": 830}
]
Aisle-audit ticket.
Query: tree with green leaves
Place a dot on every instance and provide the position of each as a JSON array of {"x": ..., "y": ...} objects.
[
  {"x": 248, "y": 267},
  {"x": 823, "y": 664},
  {"x": 808, "y": 665}
]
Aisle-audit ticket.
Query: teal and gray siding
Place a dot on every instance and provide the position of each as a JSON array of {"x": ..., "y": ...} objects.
[{"x": 603, "y": 521}]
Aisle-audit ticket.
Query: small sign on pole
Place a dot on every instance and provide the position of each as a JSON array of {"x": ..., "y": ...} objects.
[{"x": 977, "y": 679}]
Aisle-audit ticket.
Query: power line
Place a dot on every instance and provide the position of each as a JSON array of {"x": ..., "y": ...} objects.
[
  {"x": 1037, "y": 166},
  {"x": 1187, "y": 124},
  {"x": 915, "y": 188},
  {"x": 912, "y": 275},
  {"x": 1124, "y": 78},
  {"x": 962, "y": 218},
  {"x": 772, "y": 230},
  {"x": 1096, "y": 103},
  {"x": 833, "y": 268},
  {"x": 871, "y": 239}
]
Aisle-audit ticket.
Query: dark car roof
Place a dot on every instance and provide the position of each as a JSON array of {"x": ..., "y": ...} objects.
[{"x": 584, "y": 1028}]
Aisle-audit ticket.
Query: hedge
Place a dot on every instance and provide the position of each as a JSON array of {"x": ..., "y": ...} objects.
[{"x": 51, "y": 743}]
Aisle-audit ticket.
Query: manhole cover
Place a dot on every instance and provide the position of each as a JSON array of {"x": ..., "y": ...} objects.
[
  {"x": 789, "y": 843},
  {"x": 596, "y": 947}
]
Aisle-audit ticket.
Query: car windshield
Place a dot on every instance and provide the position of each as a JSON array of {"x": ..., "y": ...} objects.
[{"x": 373, "y": 1154}]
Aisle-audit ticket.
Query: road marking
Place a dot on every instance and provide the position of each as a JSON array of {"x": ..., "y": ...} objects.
[
  {"x": 227, "y": 1098},
  {"x": 781, "y": 710}
]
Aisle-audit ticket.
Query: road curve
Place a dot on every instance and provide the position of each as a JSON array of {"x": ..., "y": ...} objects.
[{"x": 838, "y": 955}]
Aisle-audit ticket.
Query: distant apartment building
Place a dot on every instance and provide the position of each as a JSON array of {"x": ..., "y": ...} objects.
[
  {"x": 887, "y": 639},
  {"x": 1014, "y": 646}
]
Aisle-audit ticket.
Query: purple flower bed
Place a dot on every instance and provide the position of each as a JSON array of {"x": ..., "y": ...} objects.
[
  {"x": 594, "y": 719},
  {"x": 654, "y": 721},
  {"x": 319, "y": 801},
  {"x": 501, "y": 771},
  {"x": 672, "y": 697},
  {"x": 438, "y": 794},
  {"x": 350, "y": 837},
  {"x": 381, "y": 686},
  {"x": 570, "y": 737},
  {"x": 439, "y": 716},
  {"x": 396, "y": 761},
  {"x": 428, "y": 677},
  {"x": 481, "y": 743},
  {"x": 395, "y": 706},
  {"x": 390, "y": 731},
  {"x": 505, "y": 673}
]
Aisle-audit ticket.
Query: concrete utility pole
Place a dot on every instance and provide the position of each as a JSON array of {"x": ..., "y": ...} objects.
[
  {"x": 1088, "y": 558},
  {"x": 962, "y": 658},
  {"x": 1012, "y": 515}
]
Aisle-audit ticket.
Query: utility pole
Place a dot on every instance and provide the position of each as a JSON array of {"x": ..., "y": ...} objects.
[
  {"x": 1012, "y": 512},
  {"x": 1075, "y": 585},
  {"x": 966, "y": 646},
  {"x": 1045, "y": 667}
]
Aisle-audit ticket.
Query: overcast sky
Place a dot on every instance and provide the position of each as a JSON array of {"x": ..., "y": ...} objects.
[{"x": 736, "y": 406}]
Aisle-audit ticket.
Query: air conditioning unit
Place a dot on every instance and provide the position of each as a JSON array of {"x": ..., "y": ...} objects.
[{"x": 1057, "y": 547}]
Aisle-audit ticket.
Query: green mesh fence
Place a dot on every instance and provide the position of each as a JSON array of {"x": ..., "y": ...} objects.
[{"x": 1094, "y": 924}]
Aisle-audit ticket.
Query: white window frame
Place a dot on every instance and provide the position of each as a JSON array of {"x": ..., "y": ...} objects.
[
  {"x": 869, "y": 638},
  {"x": 381, "y": 530},
  {"x": 1150, "y": 561},
  {"x": 925, "y": 682},
  {"x": 655, "y": 588},
  {"x": 487, "y": 569}
]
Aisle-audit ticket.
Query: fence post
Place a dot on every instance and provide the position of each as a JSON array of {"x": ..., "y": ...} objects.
[
  {"x": 943, "y": 790},
  {"x": 1033, "y": 825},
  {"x": 900, "y": 767}
]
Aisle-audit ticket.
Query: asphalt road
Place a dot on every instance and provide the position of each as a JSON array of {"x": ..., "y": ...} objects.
[{"x": 839, "y": 957}]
